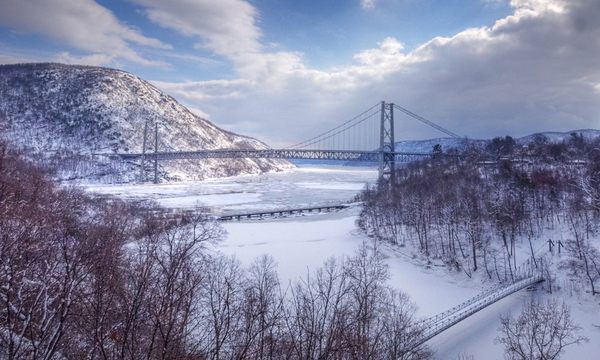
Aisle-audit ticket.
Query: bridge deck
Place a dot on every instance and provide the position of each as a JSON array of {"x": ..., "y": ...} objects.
[{"x": 292, "y": 154}]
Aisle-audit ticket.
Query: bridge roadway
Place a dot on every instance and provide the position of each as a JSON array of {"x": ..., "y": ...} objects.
[{"x": 291, "y": 154}]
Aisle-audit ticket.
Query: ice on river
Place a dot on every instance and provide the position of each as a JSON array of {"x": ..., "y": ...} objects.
[{"x": 299, "y": 187}]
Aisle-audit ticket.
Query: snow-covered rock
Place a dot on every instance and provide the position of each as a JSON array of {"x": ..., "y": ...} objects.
[{"x": 68, "y": 114}]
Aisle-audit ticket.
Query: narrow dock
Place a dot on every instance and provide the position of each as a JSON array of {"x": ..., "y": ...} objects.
[{"x": 282, "y": 212}]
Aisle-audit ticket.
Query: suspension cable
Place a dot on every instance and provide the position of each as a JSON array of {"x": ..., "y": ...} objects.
[
  {"x": 318, "y": 139},
  {"x": 425, "y": 121},
  {"x": 303, "y": 143}
]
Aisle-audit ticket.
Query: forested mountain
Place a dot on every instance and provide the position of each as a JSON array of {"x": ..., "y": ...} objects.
[{"x": 64, "y": 113}]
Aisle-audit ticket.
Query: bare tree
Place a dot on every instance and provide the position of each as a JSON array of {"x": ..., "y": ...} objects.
[
  {"x": 399, "y": 330},
  {"x": 42, "y": 262},
  {"x": 222, "y": 301},
  {"x": 367, "y": 274},
  {"x": 83, "y": 277},
  {"x": 262, "y": 312},
  {"x": 584, "y": 262},
  {"x": 540, "y": 332},
  {"x": 349, "y": 312},
  {"x": 317, "y": 313}
]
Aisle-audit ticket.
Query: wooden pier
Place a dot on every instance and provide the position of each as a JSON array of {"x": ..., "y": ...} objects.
[{"x": 282, "y": 212}]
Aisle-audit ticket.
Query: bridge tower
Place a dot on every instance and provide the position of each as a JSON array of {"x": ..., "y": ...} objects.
[{"x": 387, "y": 164}]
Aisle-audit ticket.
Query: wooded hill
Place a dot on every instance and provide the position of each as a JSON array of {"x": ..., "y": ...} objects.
[{"x": 489, "y": 209}]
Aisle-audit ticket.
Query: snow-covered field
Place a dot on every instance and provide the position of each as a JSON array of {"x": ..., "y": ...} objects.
[{"x": 302, "y": 243}]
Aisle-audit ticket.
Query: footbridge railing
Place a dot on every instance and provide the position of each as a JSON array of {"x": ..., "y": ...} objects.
[{"x": 528, "y": 275}]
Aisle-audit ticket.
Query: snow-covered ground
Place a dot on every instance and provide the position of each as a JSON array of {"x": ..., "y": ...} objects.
[{"x": 302, "y": 243}]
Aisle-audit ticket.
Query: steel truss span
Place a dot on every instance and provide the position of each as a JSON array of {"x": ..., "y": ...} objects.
[{"x": 290, "y": 154}]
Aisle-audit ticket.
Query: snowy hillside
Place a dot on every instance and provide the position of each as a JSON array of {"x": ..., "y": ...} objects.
[{"x": 65, "y": 113}]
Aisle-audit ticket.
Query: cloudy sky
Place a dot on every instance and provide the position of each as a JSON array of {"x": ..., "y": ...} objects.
[{"x": 282, "y": 70}]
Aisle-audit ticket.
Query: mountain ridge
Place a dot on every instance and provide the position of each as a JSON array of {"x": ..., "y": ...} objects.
[{"x": 50, "y": 108}]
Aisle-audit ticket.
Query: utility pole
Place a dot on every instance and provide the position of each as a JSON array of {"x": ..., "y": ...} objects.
[
  {"x": 560, "y": 245},
  {"x": 156, "y": 152},
  {"x": 387, "y": 161}
]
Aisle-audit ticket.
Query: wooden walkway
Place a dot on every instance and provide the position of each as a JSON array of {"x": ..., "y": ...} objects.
[{"x": 282, "y": 212}]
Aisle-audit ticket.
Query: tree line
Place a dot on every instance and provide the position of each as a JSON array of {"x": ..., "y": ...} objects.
[{"x": 83, "y": 277}]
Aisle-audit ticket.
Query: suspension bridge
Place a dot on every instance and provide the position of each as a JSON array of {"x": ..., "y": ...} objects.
[{"x": 366, "y": 137}]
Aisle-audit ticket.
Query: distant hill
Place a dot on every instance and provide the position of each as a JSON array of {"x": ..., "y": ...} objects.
[
  {"x": 557, "y": 137},
  {"x": 425, "y": 146},
  {"x": 65, "y": 113}
]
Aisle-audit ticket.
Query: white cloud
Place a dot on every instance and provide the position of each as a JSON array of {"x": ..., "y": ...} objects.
[
  {"x": 388, "y": 55},
  {"x": 367, "y": 4},
  {"x": 538, "y": 6},
  {"x": 207, "y": 90},
  {"x": 226, "y": 27},
  {"x": 82, "y": 24},
  {"x": 531, "y": 71},
  {"x": 15, "y": 59},
  {"x": 93, "y": 59},
  {"x": 199, "y": 112},
  {"x": 191, "y": 58}
]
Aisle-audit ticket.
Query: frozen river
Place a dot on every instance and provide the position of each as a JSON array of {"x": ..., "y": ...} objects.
[
  {"x": 295, "y": 188},
  {"x": 303, "y": 243}
]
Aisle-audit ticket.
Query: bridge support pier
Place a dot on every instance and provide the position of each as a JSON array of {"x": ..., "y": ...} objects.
[
  {"x": 143, "y": 160},
  {"x": 387, "y": 161},
  {"x": 155, "y": 151}
]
